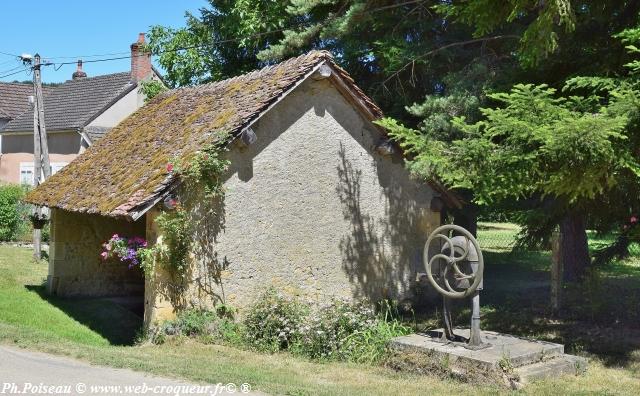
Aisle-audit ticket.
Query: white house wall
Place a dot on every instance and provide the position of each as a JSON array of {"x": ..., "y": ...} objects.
[{"x": 119, "y": 111}]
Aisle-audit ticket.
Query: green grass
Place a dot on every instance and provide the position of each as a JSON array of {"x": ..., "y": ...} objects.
[
  {"x": 497, "y": 236},
  {"x": 88, "y": 330},
  {"x": 23, "y": 303}
]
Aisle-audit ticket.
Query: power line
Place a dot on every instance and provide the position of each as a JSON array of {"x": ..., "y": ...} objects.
[
  {"x": 10, "y": 70},
  {"x": 9, "y": 61},
  {"x": 11, "y": 74},
  {"x": 8, "y": 54},
  {"x": 87, "y": 56},
  {"x": 123, "y": 55},
  {"x": 88, "y": 61}
]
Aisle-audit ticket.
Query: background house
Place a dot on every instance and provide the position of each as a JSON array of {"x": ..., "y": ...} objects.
[
  {"x": 313, "y": 207},
  {"x": 14, "y": 101},
  {"x": 77, "y": 113}
]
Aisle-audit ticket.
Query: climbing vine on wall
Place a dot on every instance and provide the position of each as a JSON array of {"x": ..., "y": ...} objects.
[{"x": 201, "y": 178}]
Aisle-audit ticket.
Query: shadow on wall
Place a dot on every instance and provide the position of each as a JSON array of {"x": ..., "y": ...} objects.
[
  {"x": 204, "y": 270},
  {"x": 208, "y": 219},
  {"x": 380, "y": 255}
]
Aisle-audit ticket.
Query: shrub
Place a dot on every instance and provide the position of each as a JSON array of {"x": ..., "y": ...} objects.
[
  {"x": 348, "y": 331},
  {"x": 191, "y": 322},
  {"x": 323, "y": 334},
  {"x": 208, "y": 326},
  {"x": 12, "y": 211},
  {"x": 370, "y": 344},
  {"x": 273, "y": 323},
  {"x": 339, "y": 331}
]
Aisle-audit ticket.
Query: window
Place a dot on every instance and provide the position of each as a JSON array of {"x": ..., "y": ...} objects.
[{"x": 26, "y": 171}]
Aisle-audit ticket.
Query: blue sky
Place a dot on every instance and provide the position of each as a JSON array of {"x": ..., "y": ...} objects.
[{"x": 69, "y": 28}]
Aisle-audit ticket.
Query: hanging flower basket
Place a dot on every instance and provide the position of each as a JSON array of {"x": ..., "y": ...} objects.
[
  {"x": 38, "y": 221},
  {"x": 127, "y": 250}
]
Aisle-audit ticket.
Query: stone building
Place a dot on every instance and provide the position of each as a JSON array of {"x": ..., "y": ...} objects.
[{"x": 317, "y": 200}]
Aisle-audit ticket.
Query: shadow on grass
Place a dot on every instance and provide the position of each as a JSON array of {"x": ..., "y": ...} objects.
[
  {"x": 600, "y": 316},
  {"x": 117, "y": 320}
]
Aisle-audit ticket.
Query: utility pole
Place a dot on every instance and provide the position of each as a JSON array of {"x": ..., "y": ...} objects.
[{"x": 41, "y": 165}]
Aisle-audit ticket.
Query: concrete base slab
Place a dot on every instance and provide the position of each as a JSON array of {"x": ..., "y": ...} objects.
[
  {"x": 531, "y": 359},
  {"x": 565, "y": 364},
  {"x": 518, "y": 351}
]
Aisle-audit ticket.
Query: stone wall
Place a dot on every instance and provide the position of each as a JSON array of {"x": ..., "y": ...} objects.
[
  {"x": 311, "y": 209},
  {"x": 75, "y": 266},
  {"x": 160, "y": 291}
]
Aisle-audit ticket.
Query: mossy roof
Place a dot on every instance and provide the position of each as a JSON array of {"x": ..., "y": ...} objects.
[{"x": 126, "y": 170}]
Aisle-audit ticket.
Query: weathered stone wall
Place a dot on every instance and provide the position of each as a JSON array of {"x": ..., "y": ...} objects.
[
  {"x": 311, "y": 209},
  {"x": 75, "y": 266},
  {"x": 159, "y": 289}
]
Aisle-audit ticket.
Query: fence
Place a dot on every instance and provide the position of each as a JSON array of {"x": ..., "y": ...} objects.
[{"x": 497, "y": 236}]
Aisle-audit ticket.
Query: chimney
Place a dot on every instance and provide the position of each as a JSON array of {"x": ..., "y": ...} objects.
[
  {"x": 79, "y": 73},
  {"x": 140, "y": 60}
]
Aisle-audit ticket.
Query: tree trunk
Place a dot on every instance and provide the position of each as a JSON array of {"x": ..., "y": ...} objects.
[{"x": 574, "y": 250}]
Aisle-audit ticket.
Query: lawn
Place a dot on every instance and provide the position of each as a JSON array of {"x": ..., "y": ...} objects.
[{"x": 514, "y": 301}]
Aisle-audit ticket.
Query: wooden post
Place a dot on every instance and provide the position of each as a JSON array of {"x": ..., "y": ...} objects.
[
  {"x": 44, "y": 144},
  {"x": 41, "y": 165},
  {"x": 556, "y": 271}
]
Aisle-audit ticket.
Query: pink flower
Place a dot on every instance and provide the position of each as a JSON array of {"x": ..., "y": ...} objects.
[
  {"x": 115, "y": 236},
  {"x": 633, "y": 220},
  {"x": 169, "y": 167},
  {"x": 104, "y": 255}
]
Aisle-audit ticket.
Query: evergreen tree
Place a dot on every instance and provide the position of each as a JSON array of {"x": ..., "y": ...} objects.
[{"x": 561, "y": 156}]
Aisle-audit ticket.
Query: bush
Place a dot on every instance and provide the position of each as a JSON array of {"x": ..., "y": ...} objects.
[
  {"x": 274, "y": 322},
  {"x": 339, "y": 331},
  {"x": 370, "y": 344},
  {"x": 191, "y": 323},
  {"x": 349, "y": 331},
  {"x": 13, "y": 213},
  {"x": 324, "y": 333},
  {"x": 205, "y": 325}
]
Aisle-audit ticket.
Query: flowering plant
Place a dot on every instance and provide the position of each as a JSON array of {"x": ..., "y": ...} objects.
[{"x": 128, "y": 250}]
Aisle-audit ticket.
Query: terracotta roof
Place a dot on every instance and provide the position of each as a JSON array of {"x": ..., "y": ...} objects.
[
  {"x": 13, "y": 99},
  {"x": 75, "y": 103},
  {"x": 125, "y": 171}
]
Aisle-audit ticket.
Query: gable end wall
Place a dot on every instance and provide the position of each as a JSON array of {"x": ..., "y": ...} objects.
[{"x": 312, "y": 210}]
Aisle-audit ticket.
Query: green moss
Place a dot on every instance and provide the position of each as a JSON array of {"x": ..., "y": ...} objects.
[{"x": 133, "y": 156}]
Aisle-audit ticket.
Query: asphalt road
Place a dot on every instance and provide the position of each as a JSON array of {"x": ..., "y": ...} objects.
[{"x": 26, "y": 372}]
